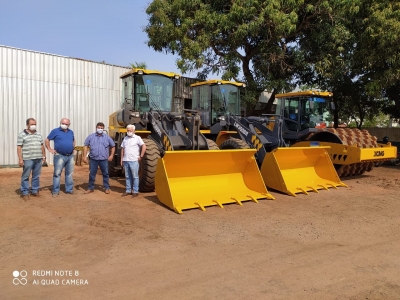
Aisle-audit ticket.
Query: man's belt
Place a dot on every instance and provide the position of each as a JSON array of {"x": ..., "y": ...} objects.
[{"x": 69, "y": 154}]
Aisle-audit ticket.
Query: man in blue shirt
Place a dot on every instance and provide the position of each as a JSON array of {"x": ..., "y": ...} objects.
[
  {"x": 100, "y": 154},
  {"x": 64, "y": 144}
]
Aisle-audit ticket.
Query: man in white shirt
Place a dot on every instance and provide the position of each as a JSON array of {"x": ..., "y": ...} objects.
[{"x": 133, "y": 150}]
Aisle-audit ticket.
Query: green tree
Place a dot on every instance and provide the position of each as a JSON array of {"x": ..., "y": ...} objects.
[
  {"x": 359, "y": 60},
  {"x": 138, "y": 65},
  {"x": 257, "y": 38}
]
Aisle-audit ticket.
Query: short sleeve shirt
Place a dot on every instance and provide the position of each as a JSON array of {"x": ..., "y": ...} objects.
[
  {"x": 131, "y": 145},
  {"x": 99, "y": 146},
  {"x": 31, "y": 145},
  {"x": 63, "y": 140}
]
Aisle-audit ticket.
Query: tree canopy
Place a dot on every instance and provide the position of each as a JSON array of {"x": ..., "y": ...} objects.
[{"x": 276, "y": 44}]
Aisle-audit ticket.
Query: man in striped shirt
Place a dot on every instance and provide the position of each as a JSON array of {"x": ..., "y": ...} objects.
[
  {"x": 31, "y": 155},
  {"x": 102, "y": 149}
]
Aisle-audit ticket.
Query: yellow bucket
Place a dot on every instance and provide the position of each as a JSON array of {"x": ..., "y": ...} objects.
[
  {"x": 295, "y": 170},
  {"x": 196, "y": 179}
]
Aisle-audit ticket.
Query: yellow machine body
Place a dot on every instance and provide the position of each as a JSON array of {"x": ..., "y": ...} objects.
[
  {"x": 295, "y": 170},
  {"x": 196, "y": 179},
  {"x": 346, "y": 155}
]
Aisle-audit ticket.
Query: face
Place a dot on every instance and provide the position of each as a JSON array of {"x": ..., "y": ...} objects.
[
  {"x": 100, "y": 127},
  {"x": 31, "y": 122},
  {"x": 65, "y": 122},
  {"x": 130, "y": 130}
]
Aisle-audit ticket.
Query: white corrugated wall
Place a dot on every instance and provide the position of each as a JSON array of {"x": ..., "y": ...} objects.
[{"x": 49, "y": 87}]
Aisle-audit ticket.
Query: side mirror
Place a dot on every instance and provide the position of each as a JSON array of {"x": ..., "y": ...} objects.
[{"x": 332, "y": 104}]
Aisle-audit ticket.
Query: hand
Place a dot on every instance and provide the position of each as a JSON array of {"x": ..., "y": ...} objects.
[
  {"x": 21, "y": 163},
  {"x": 122, "y": 163},
  {"x": 110, "y": 158},
  {"x": 140, "y": 158},
  {"x": 84, "y": 159},
  {"x": 52, "y": 151}
]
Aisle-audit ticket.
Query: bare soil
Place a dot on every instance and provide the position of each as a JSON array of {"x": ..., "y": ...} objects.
[{"x": 337, "y": 244}]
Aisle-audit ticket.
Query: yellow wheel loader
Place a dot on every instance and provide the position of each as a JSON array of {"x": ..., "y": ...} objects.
[
  {"x": 286, "y": 169},
  {"x": 184, "y": 168},
  {"x": 308, "y": 120}
]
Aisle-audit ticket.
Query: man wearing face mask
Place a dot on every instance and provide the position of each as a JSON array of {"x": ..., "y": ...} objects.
[
  {"x": 100, "y": 144},
  {"x": 132, "y": 151},
  {"x": 31, "y": 156},
  {"x": 64, "y": 144}
]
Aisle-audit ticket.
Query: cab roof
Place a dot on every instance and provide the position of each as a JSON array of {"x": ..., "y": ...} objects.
[
  {"x": 217, "y": 81},
  {"x": 305, "y": 93},
  {"x": 148, "y": 72}
]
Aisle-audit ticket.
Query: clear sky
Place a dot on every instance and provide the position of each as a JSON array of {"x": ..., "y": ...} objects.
[{"x": 98, "y": 30}]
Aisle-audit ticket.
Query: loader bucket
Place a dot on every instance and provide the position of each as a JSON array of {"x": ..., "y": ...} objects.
[
  {"x": 196, "y": 179},
  {"x": 295, "y": 170}
]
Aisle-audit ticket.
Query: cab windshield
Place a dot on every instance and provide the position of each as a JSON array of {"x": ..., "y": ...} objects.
[
  {"x": 225, "y": 99},
  {"x": 306, "y": 112},
  {"x": 153, "y": 91}
]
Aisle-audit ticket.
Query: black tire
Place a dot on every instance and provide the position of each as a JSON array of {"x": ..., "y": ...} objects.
[
  {"x": 148, "y": 164},
  {"x": 113, "y": 170},
  {"x": 233, "y": 143},
  {"x": 212, "y": 145}
]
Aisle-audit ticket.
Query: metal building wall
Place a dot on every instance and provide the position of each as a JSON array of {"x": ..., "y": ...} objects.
[
  {"x": 49, "y": 87},
  {"x": 182, "y": 91}
]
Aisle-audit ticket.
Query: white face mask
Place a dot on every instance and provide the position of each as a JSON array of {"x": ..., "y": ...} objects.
[
  {"x": 63, "y": 126},
  {"x": 129, "y": 133},
  {"x": 99, "y": 130},
  {"x": 32, "y": 127}
]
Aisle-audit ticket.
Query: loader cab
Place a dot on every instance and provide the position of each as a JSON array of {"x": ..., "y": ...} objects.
[
  {"x": 215, "y": 99},
  {"x": 305, "y": 111},
  {"x": 145, "y": 90}
]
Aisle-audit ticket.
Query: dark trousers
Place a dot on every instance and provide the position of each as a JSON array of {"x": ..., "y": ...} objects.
[{"x": 93, "y": 166}]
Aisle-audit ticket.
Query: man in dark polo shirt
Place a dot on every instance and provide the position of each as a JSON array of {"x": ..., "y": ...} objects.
[
  {"x": 100, "y": 144},
  {"x": 31, "y": 155},
  {"x": 64, "y": 144}
]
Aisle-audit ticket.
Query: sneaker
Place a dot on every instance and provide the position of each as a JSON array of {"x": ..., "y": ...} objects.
[
  {"x": 70, "y": 193},
  {"x": 135, "y": 195},
  {"x": 107, "y": 191},
  {"x": 36, "y": 195},
  {"x": 55, "y": 195},
  {"x": 25, "y": 197},
  {"x": 126, "y": 194},
  {"x": 88, "y": 191}
]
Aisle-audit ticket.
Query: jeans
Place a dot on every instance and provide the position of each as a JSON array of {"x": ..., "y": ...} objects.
[
  {"x": 132, "y": 176},
  {"x": 93, "y": 166},
  {"x": 61, "y": 162},
  {"x": 34, "y": 166}
]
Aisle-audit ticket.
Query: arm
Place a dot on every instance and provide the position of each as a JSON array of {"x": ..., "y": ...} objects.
[
  {"x": 122, "y": 156},
  {"x": 142, "y": 151},
  {"x": 19, "y": 152},
  {"x": 84, "y": 157},
  {"x": 110, "y": 158},
  {"x": 43, "y": 153},
  {"x": 47, "y": 143}
]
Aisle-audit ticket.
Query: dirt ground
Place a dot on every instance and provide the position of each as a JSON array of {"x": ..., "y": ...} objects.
[{"x": 337, "y": 244}]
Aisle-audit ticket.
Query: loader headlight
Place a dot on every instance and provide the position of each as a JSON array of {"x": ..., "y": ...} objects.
[
  {"x": 136, "y": 114},
  {"x": 221, "y": 118}
]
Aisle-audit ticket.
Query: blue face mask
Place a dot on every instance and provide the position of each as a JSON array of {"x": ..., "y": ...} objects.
[{"x": 99, "y": 130}]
